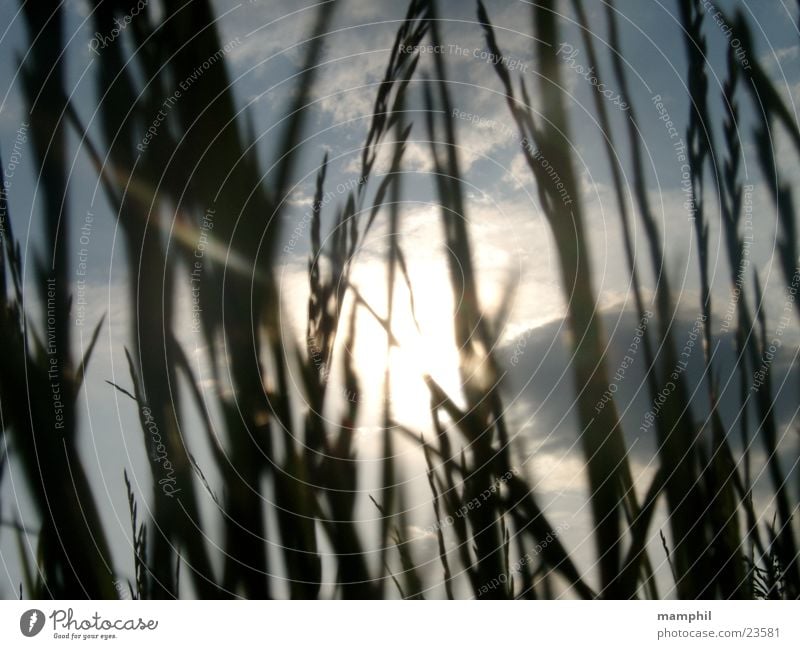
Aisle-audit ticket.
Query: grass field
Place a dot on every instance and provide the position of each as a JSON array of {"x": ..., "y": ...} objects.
[{"x": 234, "y": 239}]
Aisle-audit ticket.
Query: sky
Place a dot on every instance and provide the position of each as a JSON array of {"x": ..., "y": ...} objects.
[{"x": 511, "y": 238}]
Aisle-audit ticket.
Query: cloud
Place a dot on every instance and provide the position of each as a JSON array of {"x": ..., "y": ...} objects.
[
  {"x": 541, "y": 392},
  {"x": 776, "y": 59}
]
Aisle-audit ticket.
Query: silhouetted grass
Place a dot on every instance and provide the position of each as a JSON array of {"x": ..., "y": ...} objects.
[{"x": 305, "y": 476}]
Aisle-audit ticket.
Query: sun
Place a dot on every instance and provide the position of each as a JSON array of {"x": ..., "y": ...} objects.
[{"x": 424, "y": 337}]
